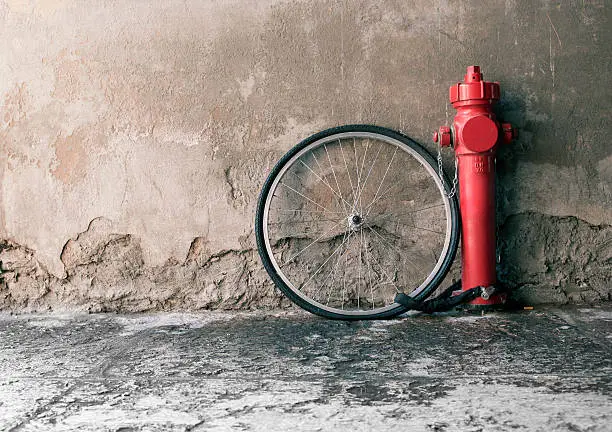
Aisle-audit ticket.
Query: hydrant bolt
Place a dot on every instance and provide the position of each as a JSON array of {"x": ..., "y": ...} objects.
[{"x": 509, "y": 133}]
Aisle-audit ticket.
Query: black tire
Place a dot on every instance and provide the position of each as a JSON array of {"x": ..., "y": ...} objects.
[{"x": 314, "y": 144}]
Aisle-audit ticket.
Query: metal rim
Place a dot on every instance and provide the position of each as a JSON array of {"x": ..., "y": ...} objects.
[{"x": 349, "y": 135}]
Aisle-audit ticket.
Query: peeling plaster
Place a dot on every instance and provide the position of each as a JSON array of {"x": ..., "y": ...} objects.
[{"x": 546, "y": 259}]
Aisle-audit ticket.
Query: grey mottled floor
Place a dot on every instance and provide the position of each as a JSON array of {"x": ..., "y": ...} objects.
[{"x": 541, "y": 370}]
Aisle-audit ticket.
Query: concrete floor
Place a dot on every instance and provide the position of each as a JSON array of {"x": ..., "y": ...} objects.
[{"x": 541, "y": 370}]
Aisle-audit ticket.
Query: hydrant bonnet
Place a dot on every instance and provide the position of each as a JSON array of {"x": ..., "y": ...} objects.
[{"x": 474, "y": 90}]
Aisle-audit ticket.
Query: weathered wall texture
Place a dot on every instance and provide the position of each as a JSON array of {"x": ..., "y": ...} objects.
[{"x": 135, "y": 135}]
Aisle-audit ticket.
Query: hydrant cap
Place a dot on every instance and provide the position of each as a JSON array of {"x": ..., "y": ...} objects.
[
  {"x": 479, "y": 134},
  {"x": 473, "y": 88}
]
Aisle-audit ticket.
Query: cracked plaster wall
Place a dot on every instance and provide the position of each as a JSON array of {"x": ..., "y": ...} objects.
[{"x": 135, "y": 135}]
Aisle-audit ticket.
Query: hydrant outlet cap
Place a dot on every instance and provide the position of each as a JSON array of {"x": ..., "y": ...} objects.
[
  {"x": 479, "y": 134},
  {"x": 443, "y": 136}
]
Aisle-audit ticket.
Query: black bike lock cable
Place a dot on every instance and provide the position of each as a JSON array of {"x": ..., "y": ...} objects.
[{"x": 446, "y": 300}]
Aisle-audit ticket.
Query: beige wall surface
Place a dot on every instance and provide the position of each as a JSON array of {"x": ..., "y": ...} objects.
[{"x": 135, "y": 135}]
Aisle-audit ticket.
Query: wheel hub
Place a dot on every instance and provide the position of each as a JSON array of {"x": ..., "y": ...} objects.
[{"x": 355, "y": 221}]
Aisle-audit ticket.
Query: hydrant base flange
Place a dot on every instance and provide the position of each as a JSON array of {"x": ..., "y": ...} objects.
[{"x": 495, "y": 303}]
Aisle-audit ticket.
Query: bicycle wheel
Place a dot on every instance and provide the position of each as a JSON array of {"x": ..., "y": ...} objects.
[{"x": 351, "y": 216}]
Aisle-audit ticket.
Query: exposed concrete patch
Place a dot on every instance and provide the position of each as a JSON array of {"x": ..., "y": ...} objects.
[
  {"x": 105, "y": 271},
  {"x": 556, "y": 259},
  {"x": 547, "y": 259},
  {"x": 23, "y": 280}
]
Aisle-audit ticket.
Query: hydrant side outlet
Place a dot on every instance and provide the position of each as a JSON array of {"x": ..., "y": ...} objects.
[{"x": 477, "y": 135}]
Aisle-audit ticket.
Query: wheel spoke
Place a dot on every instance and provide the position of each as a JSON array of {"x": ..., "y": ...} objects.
[
  {"x": 369, "y": 209},
  {"x": 346, "y": 211},
  {"x": 319, "y": 269},
  {"x": 385, "y": 273},
  {"x": 358, "y": 176},
  {"x": 369, "y": 274},
  {"x": 387, "y": 243},
  {"x": 344, "y": 277},
  {"x": 304, "y": 196},
  {"x": 382, "y": 181},
  {"x": 360, "y": 265},
  {"x": 365, "y": 182},
  {"x": 348, "y": 174},
  {"x": 303, "y": 222},
  {"x": 410, "y": 212},
  {"x": 309, "y": 245},
  {"x": 361, "y": 170},
  {"x": 321, "y": 170},
  {"x": 335, "y": 266},
  {"x": 309, "y": 211},
  {"x": 323, "y": 181},
  {"x": 331, "y": 283},
  {"x": 417, "y": 227}
]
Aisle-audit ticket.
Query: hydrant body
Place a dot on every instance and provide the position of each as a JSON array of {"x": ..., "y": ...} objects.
[{"x": 475, "y": 136}]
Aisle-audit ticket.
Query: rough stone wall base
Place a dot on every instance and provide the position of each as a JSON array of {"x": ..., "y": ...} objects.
[{"x": 546, "y": 259}]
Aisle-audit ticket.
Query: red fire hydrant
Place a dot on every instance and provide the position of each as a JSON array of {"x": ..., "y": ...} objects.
[{"x": 475, "y": 135}]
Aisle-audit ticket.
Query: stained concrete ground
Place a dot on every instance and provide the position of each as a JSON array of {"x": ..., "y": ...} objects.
[{"x": 542, "y": 370}]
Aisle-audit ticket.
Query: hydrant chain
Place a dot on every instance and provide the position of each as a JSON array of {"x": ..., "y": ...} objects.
[{"x": 453, "y": 189}]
